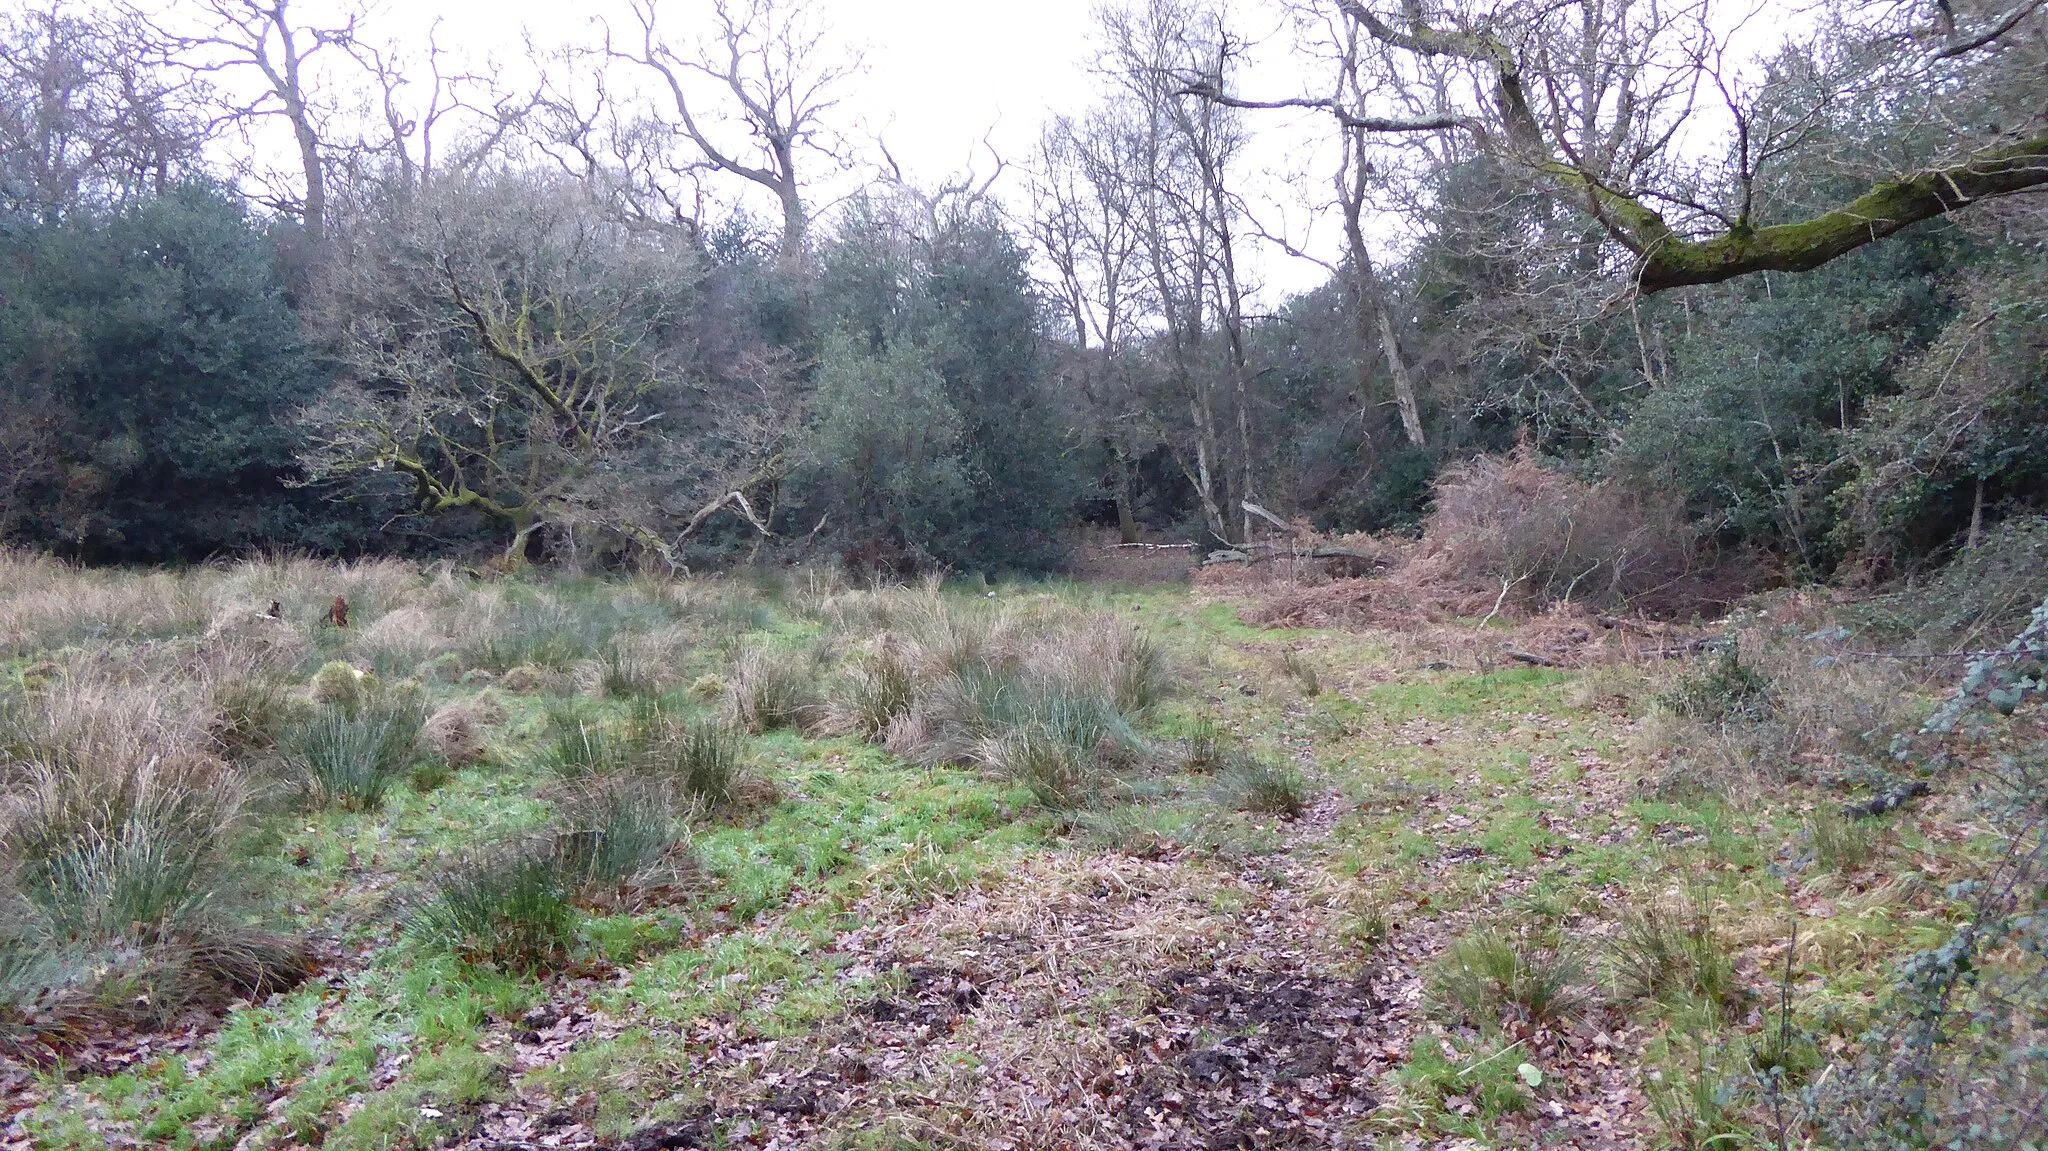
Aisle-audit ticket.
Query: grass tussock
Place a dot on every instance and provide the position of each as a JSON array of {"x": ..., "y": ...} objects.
[
  {"x": 1669, "y": 949},
  {"x": 507, "y": 908},
  {"x": 122, "y": 892},
  {"x": 700, "y": 761},
  {"x": 771, "y": 688},
  {"x": 618, "y": 843},
  {"x": 880, "y": 686},
  {"x": 576, "y": 741},
  {"x": 1256, "y": 784},
  {"x": 1493, "y": 976},
  {"x": 348, "y": 756},
  {"x": 1840, "y": 843},
  {"x": 620, "y": 839},
  {"x": 459, "y": 733},
  {"x": 703, "y": 760},
  {"x": 1043, "y": 696}
]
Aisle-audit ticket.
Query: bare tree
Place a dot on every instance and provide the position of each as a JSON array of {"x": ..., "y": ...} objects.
[
  {"x": 265, "y": 35},
  {"x": 508, "y": 344},
  {"x": 436, "y": 117},
  {"x": 1180, "y": 157},
  {"x": 85, "y": 115},
  {"x": 643, "y": 168},
  {"x": 769, "y": 68},
  {"x": 1085, "y": 224}
]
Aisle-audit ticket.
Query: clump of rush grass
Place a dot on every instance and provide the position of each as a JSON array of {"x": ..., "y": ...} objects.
[
  {"x": 703, "y": 760},
  {"x": 1242, "y": 779},
  {"x": 1119, "y": 660},
  {"x": 514, "y": 907},
  {"x": 1493, "y": 975},
  {"x": 508, "y": 908},
  {"x": 1302, "y": 672},
  {"x": 1842, "y": 843},
  {"x": 880, "y": 686},
  {"x": 250, "y": 713},
  {"x": 619, "y": 671},
  {"x": 1210, "y": 747},
  {"x": 1066, "y": 747},
  {"x": 1668, "y": 949},
  {"x": 1254, "y": 783},
  {"x": 1700, "y": 1096},
  {"x": 620, "y": 839},
  {"x": 770, "y": 688},
  {"x": 124, "y": 899},
  {"x": 1060, "y": 775},
  {"x": 575, "y": 742},
  {"x": 349, "y": 756}
]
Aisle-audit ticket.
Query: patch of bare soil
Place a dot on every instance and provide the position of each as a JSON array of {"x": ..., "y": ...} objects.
[{"x": 1251, "y": 1059}]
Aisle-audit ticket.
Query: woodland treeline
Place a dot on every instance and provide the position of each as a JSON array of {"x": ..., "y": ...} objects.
[{"x": 1792, "y": 298}]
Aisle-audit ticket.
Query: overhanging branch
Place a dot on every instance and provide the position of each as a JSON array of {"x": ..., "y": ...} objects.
[
  {"x": 1885, "y": 209},
  {"x": 1349, "y": 119}
]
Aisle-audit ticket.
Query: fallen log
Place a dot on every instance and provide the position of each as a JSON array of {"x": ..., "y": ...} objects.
[{"x": 1269, "y": 553}]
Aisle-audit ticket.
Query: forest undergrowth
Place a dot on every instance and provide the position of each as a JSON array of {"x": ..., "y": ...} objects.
[{"x": 775, "y": 861}]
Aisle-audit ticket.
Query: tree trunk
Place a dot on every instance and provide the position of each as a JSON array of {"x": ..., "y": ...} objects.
[
  {"x": 1126, "y": 496},
  {"x": 1404, "y": 384},
  {"x": 1369, "y": 294},
  {"x": 315, "y": 211},
  {"x": 523, "y": 526}
]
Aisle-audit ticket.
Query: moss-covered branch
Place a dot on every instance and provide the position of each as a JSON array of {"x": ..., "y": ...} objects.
[{"x": 1883, "y": 210}]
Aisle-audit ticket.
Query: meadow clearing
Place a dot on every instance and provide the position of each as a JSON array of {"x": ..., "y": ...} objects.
[{"x": 783, "y": 861}]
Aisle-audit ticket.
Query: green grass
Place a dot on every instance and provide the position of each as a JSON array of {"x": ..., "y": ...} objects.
[{"x": 1459, "y": 803}]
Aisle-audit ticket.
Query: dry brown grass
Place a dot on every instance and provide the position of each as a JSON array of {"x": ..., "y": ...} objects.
[
  {"x": 1821, "y": 711},
  {"x": 115, "y": 829},
  {"x": 770, "y": 688},
  {"x": 1028, "y": 689},
  {"x": 1512, "y": 540},
  {"x": 459, "y": 733}
]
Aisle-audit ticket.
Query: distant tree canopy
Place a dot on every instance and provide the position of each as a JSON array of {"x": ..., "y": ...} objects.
[{"x": 606, "y": 318}]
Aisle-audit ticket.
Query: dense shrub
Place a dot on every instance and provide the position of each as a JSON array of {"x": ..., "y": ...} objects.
[
  {"x": 1719, "y": 688},
  {"x": 1980, "y": 596},
  {"x": 1549, "y": 537}
]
